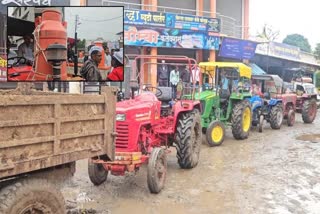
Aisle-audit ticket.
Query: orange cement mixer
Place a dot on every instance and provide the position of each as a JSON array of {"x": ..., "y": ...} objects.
[{"x": 50, "y": 46}]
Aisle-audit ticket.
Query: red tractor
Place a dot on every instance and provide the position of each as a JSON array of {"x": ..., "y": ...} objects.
[{"x": 147, "y": 125}]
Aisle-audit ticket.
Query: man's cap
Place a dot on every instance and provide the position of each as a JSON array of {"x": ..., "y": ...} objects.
[
  {"x": 95, "y": 48},
  {"x": 119, "y": 55}
]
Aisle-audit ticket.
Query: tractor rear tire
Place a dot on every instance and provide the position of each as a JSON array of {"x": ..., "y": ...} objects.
[
  {"x": 31, "y": 196},
  {"x": 157, "y": 170},
  {"x": 291, "y": 117},
  {"x": 97, "y": 173},
  {"x": 188, "y": 139},
  {"x": 276, "y": 117},
  {"x": 241, "y": 120},
  {"x": 215, "y": 133},
  {"x": 309, "y": 111}
]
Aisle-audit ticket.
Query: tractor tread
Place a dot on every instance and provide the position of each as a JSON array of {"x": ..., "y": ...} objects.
[
  {"x": 187, "y": 151},
  {"x": 305, "y": 110},
  {"x": 236, "y": 120}
]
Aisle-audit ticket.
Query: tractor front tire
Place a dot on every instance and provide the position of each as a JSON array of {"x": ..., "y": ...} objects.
[
  {"x": 97, "y": 173},
  {"x": 291, "y": 117},
  {"x": 276, "y": 117},
  {"x": 157, "y": 170},
  {"x": 188, "y": 139},
  {"x": 261, "y": 122},
  {"x": 215, "y": 133},
  {"x": 31, "y": 196},
  {"x": 241, "y": 120},
  {"x": 309, "y": 111}
]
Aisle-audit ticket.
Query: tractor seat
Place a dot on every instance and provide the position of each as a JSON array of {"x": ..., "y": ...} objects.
[
  {"x": 165, "y": 97},
  {"x": 224, "y": 95}
]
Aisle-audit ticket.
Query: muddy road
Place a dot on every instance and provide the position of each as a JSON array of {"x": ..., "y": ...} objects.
[{"x": 277, "y": 171}]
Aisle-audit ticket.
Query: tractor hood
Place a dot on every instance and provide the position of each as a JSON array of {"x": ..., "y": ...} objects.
[
  {"x": 205, "y": 94},
  {"x": 144, "y": 100}
]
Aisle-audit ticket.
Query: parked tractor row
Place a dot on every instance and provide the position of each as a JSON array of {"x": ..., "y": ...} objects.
[{"x": 151, "y": 121}]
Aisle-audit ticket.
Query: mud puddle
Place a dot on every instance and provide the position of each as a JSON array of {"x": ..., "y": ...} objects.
[{"x": 313, "y": 138}]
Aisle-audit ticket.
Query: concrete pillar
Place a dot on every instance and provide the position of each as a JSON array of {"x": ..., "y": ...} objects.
[
  {"x": 246, "y": 19},
  {"x": 151, "y": 71},
  {"x": 213, "y": 10},
  {"x": 199, "y": 54}
]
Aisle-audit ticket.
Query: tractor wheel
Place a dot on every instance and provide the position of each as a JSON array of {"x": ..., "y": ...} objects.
[
  {"x": 241, "y": 120},
  {"x": 260, "y": 125},
  {"x": 291, "y": 117},
  {"x": 309, "y": 111},
  {"x": 276, "y": 117},
  {"x": 31, "y": 196},
  {"x": 157, "y": 170},
  {"x": 97, "y": 173},
  {"x": 188, "y": 139},
  {"x": 215, "y": 133}
]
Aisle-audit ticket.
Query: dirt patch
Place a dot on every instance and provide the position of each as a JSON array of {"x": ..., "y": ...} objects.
[{"x": 314, "y": 138}]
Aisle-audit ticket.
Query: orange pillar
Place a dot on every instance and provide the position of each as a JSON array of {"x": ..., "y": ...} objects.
[
  {"x": 151, "y": 69},
  {"x": 213, "y": 8},
  {"x": 246, "y": 20},
  {"x": 199, "y": 55}
]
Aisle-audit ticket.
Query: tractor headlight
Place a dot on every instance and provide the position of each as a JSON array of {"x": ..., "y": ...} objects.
[{"x": 120, "y": 117}]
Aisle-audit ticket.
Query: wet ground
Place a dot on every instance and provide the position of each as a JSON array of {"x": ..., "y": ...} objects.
[{"x": 277, "y": 171}]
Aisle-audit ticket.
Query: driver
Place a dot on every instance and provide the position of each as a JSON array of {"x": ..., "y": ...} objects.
[{"x": 26, "y": 49}]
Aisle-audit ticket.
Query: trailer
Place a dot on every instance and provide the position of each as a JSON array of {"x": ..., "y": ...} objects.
[{"x": 42, "y": 135}]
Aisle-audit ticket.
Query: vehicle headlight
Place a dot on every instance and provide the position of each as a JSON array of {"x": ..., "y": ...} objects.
[{"x": 120, "y": 117}]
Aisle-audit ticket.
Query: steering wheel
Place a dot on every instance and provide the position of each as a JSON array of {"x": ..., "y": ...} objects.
[
  {"x": 158, "y": 91},
  {"x": 19, "y": 60}
]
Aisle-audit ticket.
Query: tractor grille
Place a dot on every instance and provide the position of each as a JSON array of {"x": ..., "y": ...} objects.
[{"x": 122, "y": 139}]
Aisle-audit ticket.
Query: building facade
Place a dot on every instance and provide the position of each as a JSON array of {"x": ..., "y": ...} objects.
[{"x": 232, "y": 14}]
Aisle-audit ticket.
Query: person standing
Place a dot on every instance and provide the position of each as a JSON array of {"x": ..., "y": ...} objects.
[
  {"x": 162, "y": 74},
  {"x": 195, "y": 76},
  {"x": 90, "y": 71},
  {"x": 117, "y": 63},
  {"x": 174, "y": 79}
]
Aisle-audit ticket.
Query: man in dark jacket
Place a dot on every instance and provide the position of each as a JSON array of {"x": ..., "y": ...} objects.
[
  {"x": 163, "y": 74},
  {"x": 90, "y": 71}
]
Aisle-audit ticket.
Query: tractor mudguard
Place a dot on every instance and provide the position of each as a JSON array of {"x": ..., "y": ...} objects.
[
  {"x": 274, "y": 102},
  {"x": 256, "y": 102}
]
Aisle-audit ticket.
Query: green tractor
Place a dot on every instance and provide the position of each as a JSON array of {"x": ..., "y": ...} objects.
[{"x": 224, "y": 100}]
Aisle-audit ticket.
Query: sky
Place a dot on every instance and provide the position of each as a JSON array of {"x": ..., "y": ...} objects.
[
  {"x": 287, "y": 16},
  {"x": 90, "y": 28}
]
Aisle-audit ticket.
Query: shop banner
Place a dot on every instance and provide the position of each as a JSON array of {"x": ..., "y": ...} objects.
[
  {"x": 169, "y": 38},
  {"x": 237, "y": 48},
  {"x": 284, "y": 51},
  {"x": 170, "y": 20},
  {"x": 3, "y": 68},
  {"x": 142, "y": 17},
  {"x": 189, "y": 22}
]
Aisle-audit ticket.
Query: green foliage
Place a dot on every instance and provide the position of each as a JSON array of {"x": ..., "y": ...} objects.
[
  {"x": 317, "y": 51},
  {"x": 81, "y": 44},
  {"x": 298, "y": 41}
]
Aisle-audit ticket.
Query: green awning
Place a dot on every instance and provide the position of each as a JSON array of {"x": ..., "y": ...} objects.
[{"x": 256, "y": 70}]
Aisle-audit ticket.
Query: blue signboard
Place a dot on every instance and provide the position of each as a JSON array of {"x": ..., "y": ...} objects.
[
  {"x": 170, "y": 38},
  {"x": 189, "y": 22},
  {"x": 142, "y": 17},
  {"x": 170, "y": 20},
  {"x": 237, "y": 48}
]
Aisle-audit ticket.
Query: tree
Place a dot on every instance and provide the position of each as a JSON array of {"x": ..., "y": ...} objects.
[
  {"x": 317, "y": 51},
  {"x": 268, "y": 33},
  {"x": 298, "y": 41},
  {"x": 81, "y": 44}
]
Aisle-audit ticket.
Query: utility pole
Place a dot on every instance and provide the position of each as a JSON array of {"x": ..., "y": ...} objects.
[{"x": 75, "y": 46}]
